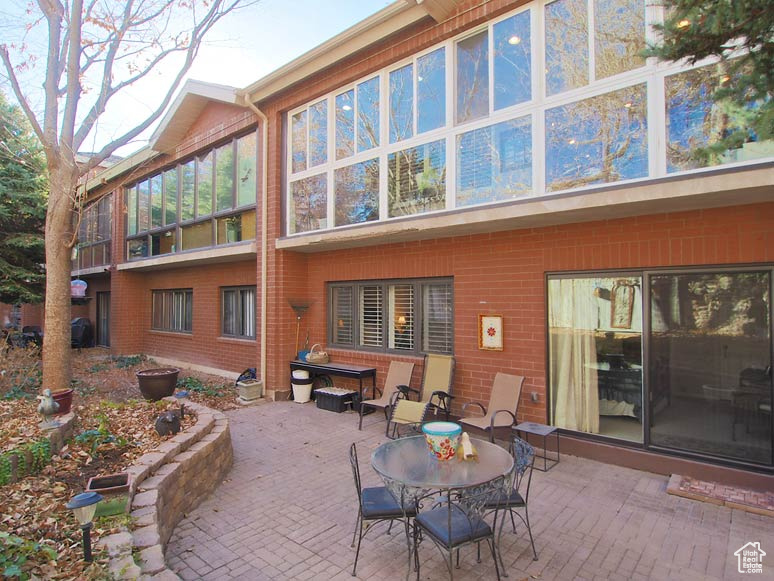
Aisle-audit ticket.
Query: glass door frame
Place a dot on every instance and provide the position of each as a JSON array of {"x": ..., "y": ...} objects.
[{"x": 645, "y": 275}]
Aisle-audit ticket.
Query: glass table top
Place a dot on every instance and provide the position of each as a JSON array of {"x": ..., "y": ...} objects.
[{"x": 408, "y": 460}]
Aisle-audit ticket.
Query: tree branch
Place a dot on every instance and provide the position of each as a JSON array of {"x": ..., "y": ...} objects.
[
  {"x": 20, "y": 96},
  {"x": 74, "y": 89}
]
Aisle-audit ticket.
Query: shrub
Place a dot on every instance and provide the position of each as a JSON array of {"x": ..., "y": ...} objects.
[{"x": 20, "y": 372}]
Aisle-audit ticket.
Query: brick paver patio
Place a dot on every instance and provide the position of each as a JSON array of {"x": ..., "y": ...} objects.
[{"x": 288, "y": 508}]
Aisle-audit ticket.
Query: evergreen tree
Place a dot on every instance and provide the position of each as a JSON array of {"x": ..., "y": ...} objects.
[
  {"x": 741, "y": 34},
  {"x": 22, "y": 208}
]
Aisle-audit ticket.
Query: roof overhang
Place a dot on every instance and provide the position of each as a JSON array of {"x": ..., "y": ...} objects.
[
  {"x": 190, "y": 102},
  {"x": 125, "y": 165},
  {"x": 379, "y": 26}
]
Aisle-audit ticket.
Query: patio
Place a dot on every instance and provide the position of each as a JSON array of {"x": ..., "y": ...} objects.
[{"x": 288, "y": 508}]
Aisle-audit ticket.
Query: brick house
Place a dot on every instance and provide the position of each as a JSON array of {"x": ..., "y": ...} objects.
[{"x": 446, "y": 160}]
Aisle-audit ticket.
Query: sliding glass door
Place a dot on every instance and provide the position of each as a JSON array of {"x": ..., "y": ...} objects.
[
  {"x": 710, "y": 363},
  {"x": 677, "y": 360}
]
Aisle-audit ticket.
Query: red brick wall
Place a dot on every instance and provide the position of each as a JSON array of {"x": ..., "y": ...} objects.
[
  {"x": 504, "y": 273},
  {"x": 132, "y": 331}
]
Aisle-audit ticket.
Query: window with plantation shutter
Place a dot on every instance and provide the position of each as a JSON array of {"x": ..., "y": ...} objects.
[
  {"x": 401, "y": 316},
  {"x": 343, "y": 332},
  {"x": 437, "y": 330},
  {"x": 173, "y": 310},
  {"x": 371, "y": 320},
  {"x": 238, "y": 312}
]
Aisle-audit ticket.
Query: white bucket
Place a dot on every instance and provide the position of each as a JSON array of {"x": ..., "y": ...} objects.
[
  {"x": 300, "y": 374},
  {"x": 301, "y": 393}
]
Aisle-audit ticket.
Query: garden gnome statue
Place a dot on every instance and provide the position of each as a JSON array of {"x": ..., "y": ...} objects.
[{"x": 47, "y": 406}]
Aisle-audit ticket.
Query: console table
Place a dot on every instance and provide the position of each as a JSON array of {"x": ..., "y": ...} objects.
[{"x": 339, "y": 369}]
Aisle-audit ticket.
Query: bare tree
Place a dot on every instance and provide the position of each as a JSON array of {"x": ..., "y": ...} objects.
[{"x": 94, "y": 51}]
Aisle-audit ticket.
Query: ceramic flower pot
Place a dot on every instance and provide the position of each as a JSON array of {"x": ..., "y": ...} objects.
[
  {"x": 156, "y": 384},
  {"x": 442, "y": 438},
  {"x": 64, "y": 397}
]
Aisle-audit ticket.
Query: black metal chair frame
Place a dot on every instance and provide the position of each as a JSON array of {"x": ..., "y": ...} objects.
[
  {"x": 469, "y": 504},
  {"x": 366, "y": 522},
  {"x": 444, "y": 398},
  {"x": 523, "y": 464}
]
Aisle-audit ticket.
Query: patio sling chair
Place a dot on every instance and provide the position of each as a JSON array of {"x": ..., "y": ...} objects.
[
  {"x": 399, "y": 373},
  {"x": 503, "y": 405},
  {"x": 405, "y": 413},
  {"x": 375, "y": 505},
  {"x": 437, "y": 379},
  {"x": 456, "y": 519},
  {"x": 517, "y": 496}
]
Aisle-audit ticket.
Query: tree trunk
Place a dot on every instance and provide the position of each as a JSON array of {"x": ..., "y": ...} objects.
[{"x": 56, "y": 339}]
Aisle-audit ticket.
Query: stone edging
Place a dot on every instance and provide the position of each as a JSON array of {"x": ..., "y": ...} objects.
[{"x": 166, "y": 483}]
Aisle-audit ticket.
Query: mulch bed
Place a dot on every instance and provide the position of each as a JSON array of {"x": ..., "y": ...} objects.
[{"x": 114, "y": 427}]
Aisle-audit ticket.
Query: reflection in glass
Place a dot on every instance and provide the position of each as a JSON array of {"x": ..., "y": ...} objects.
[
  {"x": 357, "y": 193},
  {"x": 597, "y": 140},
  {"x": 131, "y": 211},
  {"x": 224, "y": 176},
  {"x": 710, "y": 348},
  {"x": 431, "y": 91},
  {"x": 595, "y": 357},
  {"x": 170, "y": 196},
  {"x": 695, "y": 121},
  {"x": 247, "y": 159},
  {"x": 137, "y": 248},
  {"x": 512, "y": 61},
  {"x": 417, "y": 179},
  {"x": 567, "y": 45},
  {"x": 163, "y": 243},
  {"x": 473, "y": 77},
  {"x": 235, "y": 228},
  {"x": 402, "y": 103},
  {"x": 342, "y": 302},
  {"x": 309, "y": 204},
  {"x": 197, "y": 235},
  {"x": 143, "y": 203},
  {"x": 204, "y": 185},
  {"x": 494, "y": 163},
  {"x": 298, "y": 132},
  {"x": 318, "y": 133},
  {"x": 188, "y": 180},
  {"x": 368, "y": 114},
  {"x": 619, "y": 36},
  {"x": 155, "y": 201},
  {"x": 345, "y": 124}
]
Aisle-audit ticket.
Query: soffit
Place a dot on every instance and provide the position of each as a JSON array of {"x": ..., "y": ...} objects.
[
  {"x": 379, "y": 26},
  {"x": 218, "y": 255},
  {"x": 707, "y": 190}
]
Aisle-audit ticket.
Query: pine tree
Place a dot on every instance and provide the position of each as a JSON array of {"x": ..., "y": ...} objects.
[
  {"x": 741, "y": 34},
  {"x": 22, "y": 208}
]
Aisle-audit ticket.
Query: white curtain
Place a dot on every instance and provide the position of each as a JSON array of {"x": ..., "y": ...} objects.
[{"x": 573, "y": 318}]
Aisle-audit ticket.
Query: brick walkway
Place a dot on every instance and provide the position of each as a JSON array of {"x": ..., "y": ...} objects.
[{"x": 287, "y": 511}]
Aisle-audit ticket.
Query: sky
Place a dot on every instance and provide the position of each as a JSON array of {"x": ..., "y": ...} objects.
[{"x": 243, "y": 47}]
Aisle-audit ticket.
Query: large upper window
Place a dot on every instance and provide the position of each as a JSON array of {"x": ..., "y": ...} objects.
[
  {"x": 238, "y": 312},
  {"x": 408, "y": 316},
  {"x": 173, "y": 310},
  {"x": 94, "y": 234},
  {"x": 487, "y": 117},
  {"x": 202, "y": 202}
]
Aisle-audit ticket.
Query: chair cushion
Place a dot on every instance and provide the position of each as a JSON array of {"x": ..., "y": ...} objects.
[
  {"x": 379, "y": 503},
  {"x": 514, "y": 499},
  {"x": 436, "y": 523}
]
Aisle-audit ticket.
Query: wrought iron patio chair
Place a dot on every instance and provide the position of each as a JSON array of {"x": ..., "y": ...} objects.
[
  {"x": 399, "y": 373},
  {"x": 375, "y": 505},
  {"x": 503, "y": 405},
  {"x": 516, "y": 496},
  {"x": 456, "y": 519},
  {"x": 436, "y": 388}
]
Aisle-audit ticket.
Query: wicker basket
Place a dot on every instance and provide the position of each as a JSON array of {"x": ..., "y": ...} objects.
[{"x": 317, "y": 355}]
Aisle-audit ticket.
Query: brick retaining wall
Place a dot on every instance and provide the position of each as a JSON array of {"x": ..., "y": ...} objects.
[{"x": 166, "y": 483}]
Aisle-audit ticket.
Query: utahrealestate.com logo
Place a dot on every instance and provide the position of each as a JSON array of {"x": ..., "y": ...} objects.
[{"x": 750, "y": 558}]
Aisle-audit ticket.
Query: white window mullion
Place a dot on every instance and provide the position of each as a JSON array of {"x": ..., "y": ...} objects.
[
  {"x": 591, "y": 37},
  {"x": 657, "y": 165},
  {"x": 451, "y": 174}
]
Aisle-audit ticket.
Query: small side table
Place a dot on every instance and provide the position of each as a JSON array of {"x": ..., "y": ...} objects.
[{"x": 544, "y": 431}]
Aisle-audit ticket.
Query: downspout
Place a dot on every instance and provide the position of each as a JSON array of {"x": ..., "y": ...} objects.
[{"x": 264, "y": 225}]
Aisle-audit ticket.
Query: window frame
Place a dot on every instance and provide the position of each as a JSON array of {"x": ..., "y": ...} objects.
[
  {"x": 92, "y": 239},
  {"x": 239, "y": 314},
  {"x": 418, "y": 285},
  {"x": 171, "y": 293}
]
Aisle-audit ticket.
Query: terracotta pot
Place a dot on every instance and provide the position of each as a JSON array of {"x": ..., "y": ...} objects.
[
  {"x": 64, "y": 397},
  {"x": 157, "y": 383}
]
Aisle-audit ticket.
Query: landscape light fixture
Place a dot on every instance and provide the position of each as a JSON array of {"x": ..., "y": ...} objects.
[{"x": 84, "y": 506}]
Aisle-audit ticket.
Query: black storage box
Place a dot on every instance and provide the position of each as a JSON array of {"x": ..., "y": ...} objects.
[{"x": 334, "y": 399}]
